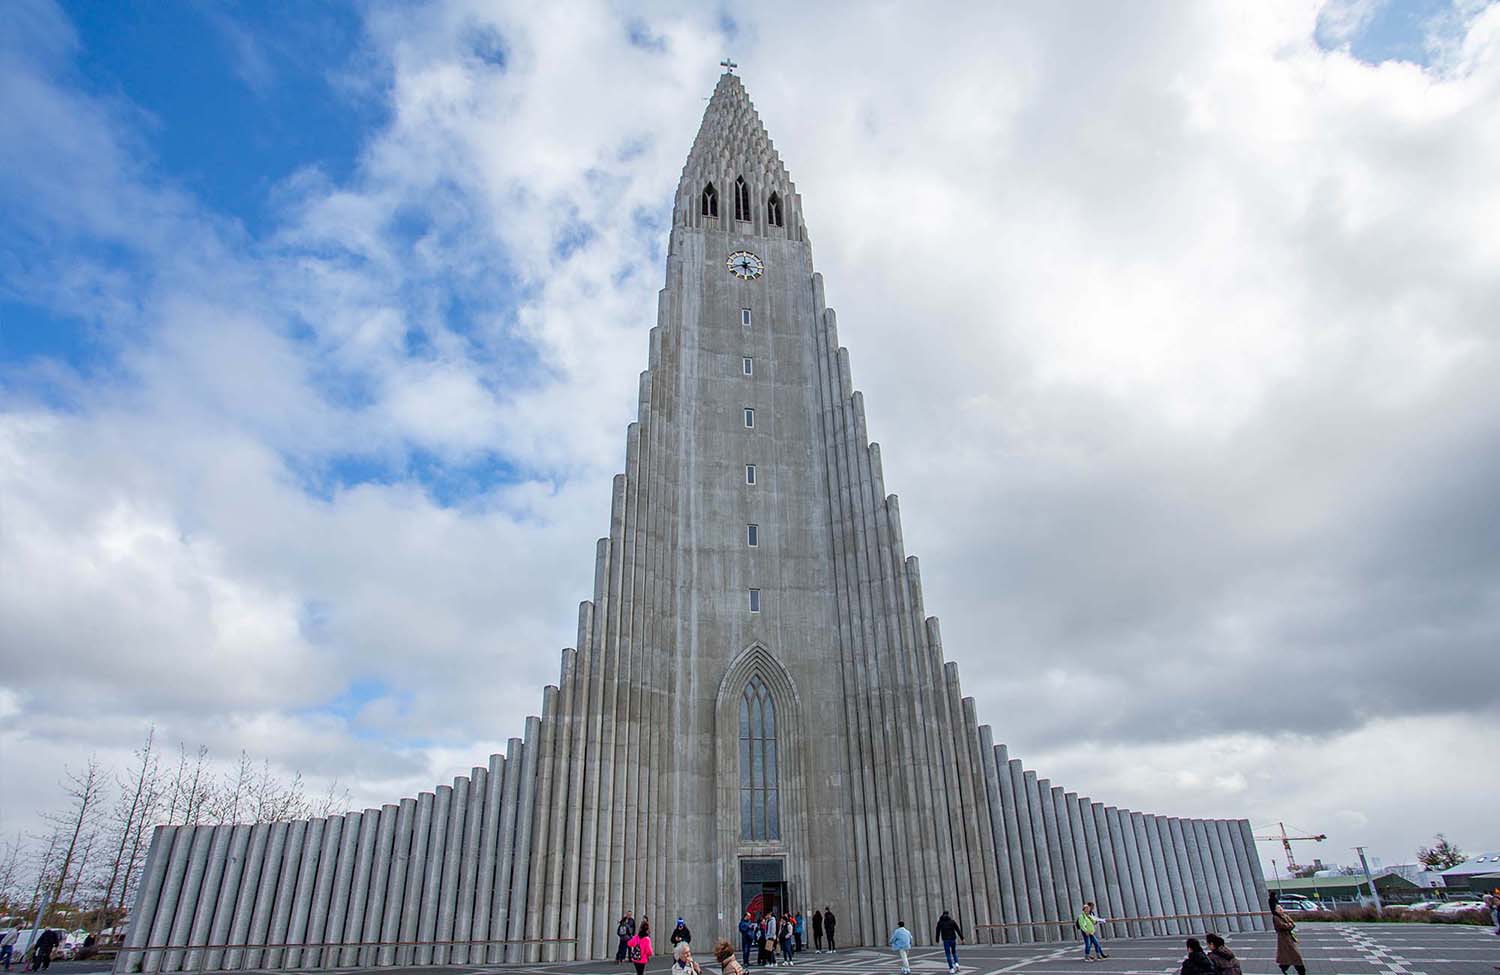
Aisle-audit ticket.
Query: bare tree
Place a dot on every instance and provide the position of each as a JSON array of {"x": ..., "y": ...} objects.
[
  {"x": 11, "y": 882},
  {"x": 77, "y": 825},
  {"x": 139, "y": 797},
  {"x": 191, "y": 786}
]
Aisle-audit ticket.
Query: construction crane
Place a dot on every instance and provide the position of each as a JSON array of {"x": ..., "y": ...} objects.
[{"x": 1286, "y": 842}]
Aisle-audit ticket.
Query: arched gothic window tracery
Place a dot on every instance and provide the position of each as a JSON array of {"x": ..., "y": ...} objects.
[
  {"x": 773, "y": 210},
  {"x": 760, "y": 810},
  {"x": 710, "y": 204},
  {"x": 741, "y": 199}
]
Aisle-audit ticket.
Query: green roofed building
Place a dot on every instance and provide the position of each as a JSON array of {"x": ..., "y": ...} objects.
[{"x": 1345, "y": 889}]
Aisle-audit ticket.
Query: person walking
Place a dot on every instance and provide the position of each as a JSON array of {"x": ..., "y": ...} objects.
[
  {"x": 1196, "y": 962},
  {"x": 681, "y": 933},
  {"x": 747, "y": 937},
  {"x": 830, "y": 926},
  {"x": 640, "y": 947},
  {"x": 901, "y": 942},
  {"x": 625, "y": 930},
  {"x": 1492, "y": 899},
  {"x": 41, "y": 958},
  {"x": 949, "y": 933},
  {"x": 8, "y": 946},
  {"x": 1088, "y": 925},
  {"x": 801, "y": 928},
  {"x": 1218, "y": 952},
  {"x": 1287, "y": 954},
  {"x": 818, "y": 931},
  {"x": 724, "y": 955}
]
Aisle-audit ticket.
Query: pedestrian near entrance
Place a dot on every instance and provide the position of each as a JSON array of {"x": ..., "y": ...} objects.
[
  {"x": 724, "y": 954},
  {"x": 625, "y": 930},
  {"x": 1218, "y": 952},
  {"x": 765, "y": 941},
  {"x": 640, "y": 947},
  {"x": 818, "y": 931},
  {"x": 830, "y": 927},
  {"x": 747, "y": 936},
  {"x": 801, "y": 928},
  {"x": 1087, "y": 924},
  {"x": 901, "y": 941},
  {"x": 1196, "y": 962},
  {"x": 949, "y": 933},
  {"x": 788, "y": 932},
  {"x": 1287, "y": 954}
]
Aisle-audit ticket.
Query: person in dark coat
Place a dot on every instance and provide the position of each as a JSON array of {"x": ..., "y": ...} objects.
[
  {"x": 1196, "y": 962},
  {"x": 830, "y": 925},
  {"x": 949, "y": 933},
  {"x": 1287, "y": 955},
  {"x": 680, "y": 933},
  {"x": 625, "y": 930},
  {"x": 818, "y": 931},
  {"x": 1218, "y": 952},
  {"x": 42, "y": 957}
]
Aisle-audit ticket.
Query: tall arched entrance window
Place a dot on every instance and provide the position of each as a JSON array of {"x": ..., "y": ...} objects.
[{"x": 760, "y": 811}]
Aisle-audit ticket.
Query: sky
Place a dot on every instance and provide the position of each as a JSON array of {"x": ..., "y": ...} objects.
[{"x": 320, "y": 329}]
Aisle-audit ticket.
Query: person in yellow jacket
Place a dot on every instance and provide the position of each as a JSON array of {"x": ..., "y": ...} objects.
[{"x": 1088, "y": 923}]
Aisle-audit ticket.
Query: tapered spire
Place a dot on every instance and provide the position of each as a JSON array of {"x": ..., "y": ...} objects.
[{"x": 734, "y": 178}]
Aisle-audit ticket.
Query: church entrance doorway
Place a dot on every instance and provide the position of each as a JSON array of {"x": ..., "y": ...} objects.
[{"x": 763, "y": 885}]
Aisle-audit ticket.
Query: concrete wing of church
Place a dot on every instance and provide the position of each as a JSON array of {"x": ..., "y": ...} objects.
[{"x": 758, "y": 712}]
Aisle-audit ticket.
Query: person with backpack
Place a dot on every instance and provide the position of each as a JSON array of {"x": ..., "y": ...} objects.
[
  {"x": 1087, "y": 924},
  {"x": 747, "y": 937},
  {"x": 640, "y": 947},
  {"x": 949, "y": 933},
  {"x": 818, "y": 931},
  {"x": 625, "y": 930},
  {"x": 901, "y": 942}
]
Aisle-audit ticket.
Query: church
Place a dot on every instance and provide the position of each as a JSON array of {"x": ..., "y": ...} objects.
[{"x": 758, "y": 711}]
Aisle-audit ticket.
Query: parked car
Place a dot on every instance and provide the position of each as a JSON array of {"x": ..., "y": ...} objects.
[
  {"x": 1296, "y": 902},
  {"x": 1423, "y": 905},
  {"x": 1458, "y": 907}
]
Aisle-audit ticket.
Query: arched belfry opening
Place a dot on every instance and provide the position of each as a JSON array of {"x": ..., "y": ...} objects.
[
  {"x": 710, "y": 201},
  {"x": 773, "y": 210},
  {"x": 741, "y": 199},
  {"x": 760, "y": 810}
]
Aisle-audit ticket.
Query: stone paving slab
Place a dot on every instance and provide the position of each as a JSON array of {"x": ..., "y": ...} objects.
[{"x": 1329, "y": 949}]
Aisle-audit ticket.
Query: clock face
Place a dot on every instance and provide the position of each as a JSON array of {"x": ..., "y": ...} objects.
[{"x": 745, "y": 265}]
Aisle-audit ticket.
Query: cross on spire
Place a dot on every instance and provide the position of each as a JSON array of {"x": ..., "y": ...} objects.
[{"x": 728, "y": 66}]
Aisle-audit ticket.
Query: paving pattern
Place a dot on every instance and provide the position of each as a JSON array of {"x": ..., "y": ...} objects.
[{"x": 1329, "y": 949}]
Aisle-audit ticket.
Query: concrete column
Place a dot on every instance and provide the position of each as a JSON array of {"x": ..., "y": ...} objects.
[
  {"x": 380, "y": 875},
  {"x": 307, "y": 876},
  {"x": 395, "y": 891},
  {"x": 1045, "y": 880},
  {"x": 343, "y": 885},
  {"x": 416, "y": 880},
  {"x": 1086, "y": 888},
  {"x": 286, "y": 885},
  {"x": 1185, "y": 871},
  {"x": 1088, "y": 828},
  {"x": 1112, "y": 902},
  {"x": 1245, "y": 890},
  {"x": 1148, "y": 871},
  {"x": 521, "y": 870},
  {"x": 1211, "y": 876},
  {"x": 229, "y": 889},
  {"x": 541, "y": 821},
  {"x": 607, "y": 624},
  {"x": 453, "y": 856},
  {"x": 489, "y": 858},
  {"x": 1167, "y": 879},
  {"x": 1014, "y": 832},
  {"x": 1257, "y": 875},
  {"x": 1202, "y": 864},
  {"x": 1133, "y": 883},
  {"x": 1072, "y": 881},
  {"x": 317, "y": 918},
  {"x": 359, "y": 887},
  {"x": 964, "y": 852},
  {"x": 1232, "y": 876},
  {"x": 187, "y": 898},
  {"x": 244, "y": 907},
  {"x": 553, "y": 906},
  {"x": 510, "y": 806},
  {"x": 1029, "y": 847},
  {"x": 1223, "y": 870},
  {"x": 171, "y": 890},
  {"x": 627, "y": 707},
  {"x": 208, "y": 897},
  {"x": 432, "y": 879},
  {"x": 987, "y": 895},
  {"x": 143, "y": 915},
  {"x": 571, "y": 903},
  {"x": 463, "y": 927},
  {"x": 1006, "y": 886},
  {"x": 1061, "y": 899},
  {"x": 265, "y": 896}
]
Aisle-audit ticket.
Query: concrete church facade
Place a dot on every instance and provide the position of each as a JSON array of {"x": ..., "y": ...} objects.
[{"x": 758, "y": 707}]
